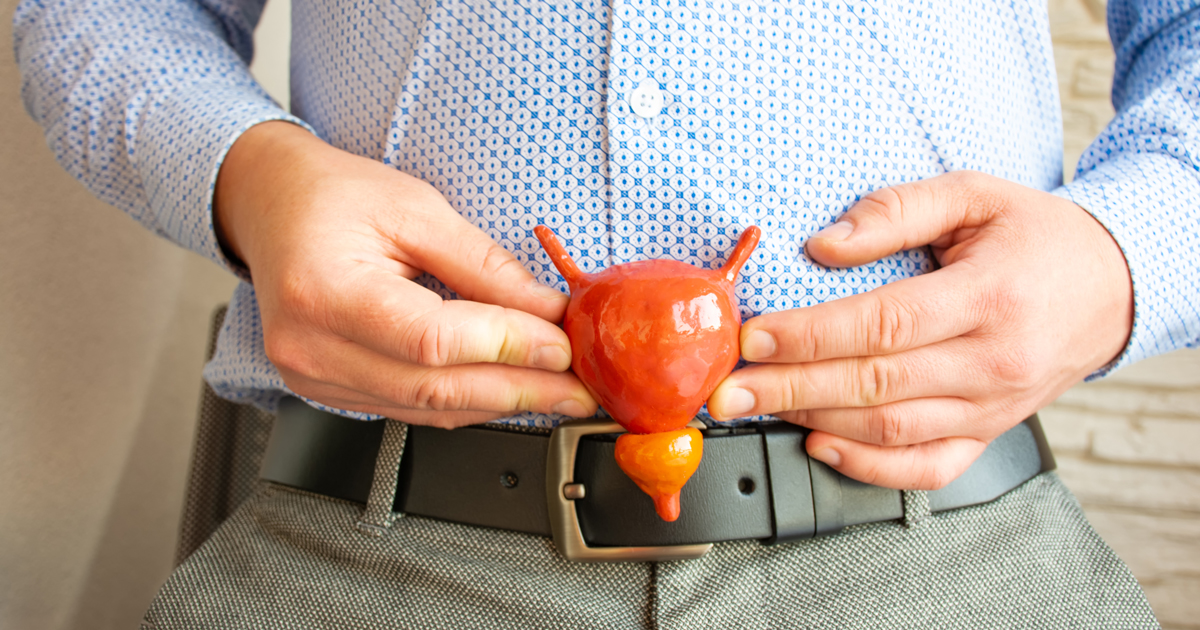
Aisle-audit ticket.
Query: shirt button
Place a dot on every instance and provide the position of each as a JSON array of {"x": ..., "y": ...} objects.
[{"x": 647, "y": 99}]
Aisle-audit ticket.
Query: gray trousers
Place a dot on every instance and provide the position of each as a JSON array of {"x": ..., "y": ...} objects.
[{"x": 290, "y": 559}]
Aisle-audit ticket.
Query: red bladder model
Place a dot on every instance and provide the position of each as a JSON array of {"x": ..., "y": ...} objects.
[{"x": 651, "y": 340}]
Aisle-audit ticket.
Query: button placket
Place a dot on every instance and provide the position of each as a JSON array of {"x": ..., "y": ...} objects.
[{"x": 638, "y": 117}]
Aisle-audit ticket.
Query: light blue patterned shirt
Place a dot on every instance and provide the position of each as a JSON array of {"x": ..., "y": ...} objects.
[{"x": 636, "y": 129}]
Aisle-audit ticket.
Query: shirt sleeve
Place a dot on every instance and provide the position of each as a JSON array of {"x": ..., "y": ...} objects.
[
  {"x": 1140, "y": 178},
  {"x": 141, "y": 99}
]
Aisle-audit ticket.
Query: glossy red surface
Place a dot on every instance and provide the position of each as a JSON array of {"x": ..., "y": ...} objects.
[
  {"x": 660, "y": 464},
  {"x": 651, "y": 340}
]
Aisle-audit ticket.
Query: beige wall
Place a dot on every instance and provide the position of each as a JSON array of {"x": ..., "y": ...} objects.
[
  {"x": 101, "y": 337},
  {"x": 102, "y": 330}
]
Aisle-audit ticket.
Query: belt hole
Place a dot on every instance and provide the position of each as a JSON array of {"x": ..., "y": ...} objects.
[
  {"x": 509, "y": 479},
  {"x": 746, "y": 486}
]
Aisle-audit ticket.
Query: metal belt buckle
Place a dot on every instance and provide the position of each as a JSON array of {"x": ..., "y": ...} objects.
[{"x": 562, "y": 492}]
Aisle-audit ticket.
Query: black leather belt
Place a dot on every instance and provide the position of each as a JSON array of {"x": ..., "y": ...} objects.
[{"x": 753, "y": 483}]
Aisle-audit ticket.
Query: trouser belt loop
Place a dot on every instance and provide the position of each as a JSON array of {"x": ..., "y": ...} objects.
[
  {"x": 378, "y": 516},
  {"x": 916, "y": 507}
]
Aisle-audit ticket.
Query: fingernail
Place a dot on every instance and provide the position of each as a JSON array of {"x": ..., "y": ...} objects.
[
  {"x": 552, "y": 357},
  {"x": 572, "y": 408},
  {"x": 837, "y": 232},
  {"x": 737, "y": 402},
  {"x": 546, "y": 293},
  {"x": 828, "y": 455},
  {"x": 758, "y": 345}
]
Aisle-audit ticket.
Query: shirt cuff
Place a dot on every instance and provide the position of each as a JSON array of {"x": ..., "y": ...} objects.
[
  {"x": 1150, "y": 204},
  {"x": 181, "y": 143}
]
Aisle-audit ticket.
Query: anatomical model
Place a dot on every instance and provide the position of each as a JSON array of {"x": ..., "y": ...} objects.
[{"x": 651, "y": 340}]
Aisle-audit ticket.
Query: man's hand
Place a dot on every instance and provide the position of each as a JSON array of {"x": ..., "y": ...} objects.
[
  {"x": 333, "y": 242},
  {"x": 906, "y": 385}
]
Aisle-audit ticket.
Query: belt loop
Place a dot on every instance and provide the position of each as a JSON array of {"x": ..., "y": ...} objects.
[
  {"x": 916, "y": 507},
  {"x": 378, "y": 516}
]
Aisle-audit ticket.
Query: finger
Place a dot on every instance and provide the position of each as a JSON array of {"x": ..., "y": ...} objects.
[
  {"x": 440, "y": 419},
  {"x": 468, "y": 261},
  {"x": 400, "y": 319},
  {"x": 490, "y": 388},
  {"x": 475, "y": 387},
  {"x": 907, "y": 216},
  {"x": 924, "y": 466},
  {"x": 901, "y": 423},
  {"x": 950, "y": 368},
  {"x": 900, "y": 316},
  {"x": 339, "y": 397}
]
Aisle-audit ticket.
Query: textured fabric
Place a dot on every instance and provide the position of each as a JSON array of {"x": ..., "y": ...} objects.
[
  {"x": 377, "y": 518},
  {"x": 775, "y": 113},
  {"x": 141, "y": 100},
  {"x": 916, "y": 507},
  {"x": 288, "y": 559},
  {"x": 1155, "y": 137},
  {"x": 226, "y": 456}
]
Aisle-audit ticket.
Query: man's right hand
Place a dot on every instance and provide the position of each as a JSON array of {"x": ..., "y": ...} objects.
[{"x": 333, "y": 242}]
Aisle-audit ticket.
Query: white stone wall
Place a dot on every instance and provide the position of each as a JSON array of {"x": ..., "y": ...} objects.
[{"x": 1129, "y": 445}]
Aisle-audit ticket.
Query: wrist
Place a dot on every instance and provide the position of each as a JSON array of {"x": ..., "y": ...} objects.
[
  {"x": 1114, "y": 290},
  {"x": 262, "y": 160}
]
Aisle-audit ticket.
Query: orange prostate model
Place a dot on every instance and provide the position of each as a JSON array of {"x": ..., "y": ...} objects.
[{"x": 652, "y": 340}]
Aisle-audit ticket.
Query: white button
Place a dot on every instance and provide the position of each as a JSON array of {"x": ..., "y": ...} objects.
[{"x": 647, "y": 99}]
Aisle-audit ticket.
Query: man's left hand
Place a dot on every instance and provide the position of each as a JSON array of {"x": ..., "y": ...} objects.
[{"x": 905, "y": 386}]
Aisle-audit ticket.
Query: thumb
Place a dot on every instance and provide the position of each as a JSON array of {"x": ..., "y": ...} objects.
[
  {"x": 909, "y": 215},
  {"x": 477, "y": 268}
]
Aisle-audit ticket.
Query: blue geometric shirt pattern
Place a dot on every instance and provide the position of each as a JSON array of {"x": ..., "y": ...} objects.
[{"x": 635, "y": 128}]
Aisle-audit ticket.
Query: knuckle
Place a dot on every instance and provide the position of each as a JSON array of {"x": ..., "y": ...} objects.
[
  {"x": 810, "y": 340},
  {"x": 1014, "y": 367},
  {"x": 497, "y": 260},
  {"x": 433, "y": 345},
  {"x": 1004, "y": 300},
  {"x": 792, "y": 393},
  {"x": 885, "y": 203},
  {"x": 875, "y": 379},
  {"x": 893, "y": 325},
  {"x": 865, "y": 381},
  {"x": 891, "y": 427},
  {"x": 524, "y": 399},
  {"x": 508, "y": 346},
  {"x": 438, "y": 392}
]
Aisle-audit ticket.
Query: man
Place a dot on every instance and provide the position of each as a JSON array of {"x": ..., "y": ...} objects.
[{"x": 854, "y": 135}]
